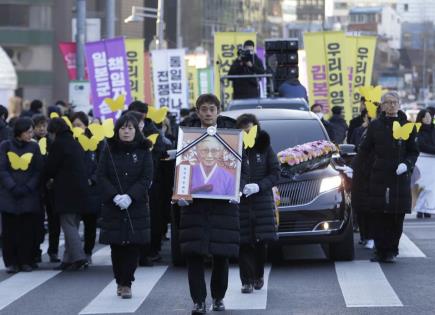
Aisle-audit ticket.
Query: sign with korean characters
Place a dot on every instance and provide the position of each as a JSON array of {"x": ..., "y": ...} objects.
[
  {"x": 192, "y": 77},
  {"x": 135, "y": 59},
  {"x": 170, "y": 79},
  {"x": 205, "y": 80},
  {"x": 108, "y": 75},
  {"x": 363, "y": 49},
  {"x": 226, "y": 45},
  {"x": 330, "y": 73}
]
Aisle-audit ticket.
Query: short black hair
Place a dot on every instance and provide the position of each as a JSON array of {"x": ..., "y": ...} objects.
[
  {"x": 39, "y": 119},
  {"x": 316, "y": 105},
  {"x": 421, "y": 115},
  {"x": 246, "y": 119},
  {"x": 248, "y": 43},
  {"x": 57, "y": 125},
  {"x": 22, "y": 125},
  {"x": 60, "y": 103},
  {"x": 53, "y": 109},
  {"x": 138, "y": 106},
  {"x": 82, "y": 117},
  {"x": 208, "y": 98},
  {"x": 362, "y": 99},
  {"x": 337, "y": 110},
  {"x": 3, "y": 112},
  {"x": 135, "y": 114},
  {"x": 36, "y": 106},
  {"x": 124, "y": 120},
  {"x": 184, "y": 112}
]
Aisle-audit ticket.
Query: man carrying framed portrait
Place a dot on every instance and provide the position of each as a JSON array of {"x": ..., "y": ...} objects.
[{"x": 210, "y": 172}]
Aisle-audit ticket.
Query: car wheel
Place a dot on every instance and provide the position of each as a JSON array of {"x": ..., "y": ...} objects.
[
  {"x": 274, "y": 252},
  {"x": 177, "y": 257},
  {"x": 344, "y": 250}
]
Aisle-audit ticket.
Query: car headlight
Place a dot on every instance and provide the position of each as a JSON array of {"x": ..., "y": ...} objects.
[{"x": 330, "y": 183}]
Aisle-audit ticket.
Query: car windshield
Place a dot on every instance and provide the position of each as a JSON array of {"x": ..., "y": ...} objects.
[
  {"x": 288, "y": 133},
  {"x": 297, "y": 106}
]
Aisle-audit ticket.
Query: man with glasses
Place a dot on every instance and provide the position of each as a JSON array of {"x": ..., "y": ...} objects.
[{"x": 390, "y": 175}]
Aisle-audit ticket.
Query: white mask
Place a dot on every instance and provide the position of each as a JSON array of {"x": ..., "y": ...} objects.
[{"x": 320, "y": 115}]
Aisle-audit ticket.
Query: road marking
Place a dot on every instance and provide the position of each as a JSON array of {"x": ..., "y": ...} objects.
[
  {"x": 22, "y": 283},
  {"x": 236, "y": 300},
  {"x": 102, "y": 257},
  {"x": 363, "y": 284},
  {"x": 408, "y": 249},
  {"x": 108, "y": 302}
]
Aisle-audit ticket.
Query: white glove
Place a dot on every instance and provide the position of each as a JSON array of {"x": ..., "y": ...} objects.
[
  {"x": 124, "y": 202},
  {"x": 233, "y": 202},
  {"x": 116, "y": 199},
  {"x": 182, "y": 202},
  {"x": 251, "y": 189},
  {"x": 402, "y": 168},
  {"x": 346, "y": 170}
]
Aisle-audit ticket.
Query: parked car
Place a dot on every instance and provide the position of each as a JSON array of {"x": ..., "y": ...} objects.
[
  {"x": 277, "y": 102},
  {"x": 315, "y": 206}
]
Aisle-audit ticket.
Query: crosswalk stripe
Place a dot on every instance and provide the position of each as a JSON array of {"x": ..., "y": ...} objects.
[
  {"x": 22, "y": 283},
  {"x": 408, "y": 249},
  {"x": 363, "y": 284},
  {"x": 236, "y": 300},
  {"x": 108, "y": 302},
  {"x": 102, "y": 257}
]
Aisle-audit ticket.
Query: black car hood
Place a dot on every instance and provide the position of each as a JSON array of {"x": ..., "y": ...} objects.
[{"x": 319, "y": 173}]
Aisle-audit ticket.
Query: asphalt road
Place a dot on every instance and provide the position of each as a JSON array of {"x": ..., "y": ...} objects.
[{"x": 305, "y": 283}]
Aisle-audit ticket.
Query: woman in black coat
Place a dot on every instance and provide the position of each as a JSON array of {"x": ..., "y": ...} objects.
[
  {"x": 92, "y": 212},
  {"x": 390, "y": 189},
  {"x": 125, "y": 173},
  {"x": 257, "y": 219},
  {"x": 425, "y": 203},
  {"x": 65, "y": 169},
  {"x": 20, "y": 170}
]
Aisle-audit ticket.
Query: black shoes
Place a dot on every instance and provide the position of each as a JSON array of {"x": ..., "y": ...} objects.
[
  {"x": 258, "y": 284},
  {"x": 79, "y": 264},
  {"x": 54, "y": 258},
  {"x": 421, "y": 215},
  {"x": 199, "y": 309},
  {"x": 12, "y": 269},
  {"x": 26, "y": 268},
  {"x": 218, "y": 305},
  {"x": 145, "y": 262},
  {"x": 247, "y": 288},
  {"x": 388, "y": 258},
  {"x": 62, "y": 266},
  {"x": 154, "y": 257}
]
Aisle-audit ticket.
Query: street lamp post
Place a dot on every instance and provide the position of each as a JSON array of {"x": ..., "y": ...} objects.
[{"x": 81, "y": 38}]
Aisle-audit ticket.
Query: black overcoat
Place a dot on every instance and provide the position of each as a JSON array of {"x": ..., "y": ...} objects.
[
  {"x": 389, "y": 192},
  {"x": 257, "y": 212},
  {"x": 125, "y": 169}
]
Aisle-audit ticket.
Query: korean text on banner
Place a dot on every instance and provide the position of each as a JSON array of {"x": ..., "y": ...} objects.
[
  {"x": 226, "y": 45},
  {"x": 363, "y": 67},
  {"x": 205, "y": 80},
  {"x": 147, "y": 84},
  {"x": 68, "y": 51},
  {"x": 135, "y": 60},
  {"x": 192, "y": 78},
  {"x": 316, "y": 70},
  {"x": 338, "y": 80},
  {"x": 170, "y": 80},
  {"x": 108, "y": 74}
]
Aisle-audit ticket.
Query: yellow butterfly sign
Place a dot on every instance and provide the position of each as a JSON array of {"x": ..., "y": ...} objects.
[
  {"x": 54, "y": 115},
  {"x": 372, "y": 95},
  {"x": 20, "y": 162},
  {"x": 403, "y": 132},
  {"x": 249, "y": 137},
  {"x": 88, "y": 144},
  {"x": 157, "y": 115},
  {"x": 116, "y": 104},
  {"x": 43, "y": 145},
  {"x": 105, "y": 130},
  {"x": 153, "y": 138}
]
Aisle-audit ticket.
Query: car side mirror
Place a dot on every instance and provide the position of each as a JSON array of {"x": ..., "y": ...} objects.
[{"x": 347, "y": 150}]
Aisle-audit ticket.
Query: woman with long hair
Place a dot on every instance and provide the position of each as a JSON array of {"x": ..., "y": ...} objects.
[{"x": 125, "y": 173}]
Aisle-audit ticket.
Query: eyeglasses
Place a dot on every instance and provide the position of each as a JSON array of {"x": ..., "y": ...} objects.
[{"x": 391, "y": 103}]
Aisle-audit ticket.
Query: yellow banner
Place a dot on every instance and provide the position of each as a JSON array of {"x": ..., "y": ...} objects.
[
  {"x": 192, "y": 78},
  {"x": 226, "y": 45},
  {"x": 364, "y": 57},
  {"x": 351, "y": 42},
  {"x": 135, "y": 59}
]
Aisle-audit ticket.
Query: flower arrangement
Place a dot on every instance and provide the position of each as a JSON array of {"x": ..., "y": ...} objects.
[{"x": 306, "y": 156}]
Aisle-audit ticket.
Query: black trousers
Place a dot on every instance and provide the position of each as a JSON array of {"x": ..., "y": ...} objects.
[
  {"x": 39, "y": 233},
  {"x": 196, "y": 275},
  {"x": 387, "y": 230},
  {"x": 19, "y": 238},
  {"x": 252, "y": 258},
  {"x": 90, "y": 223},
  {"x": 124, "y": 263},
  {"x": 53, "y": 226},
  {"x": 365, "y": 225}
]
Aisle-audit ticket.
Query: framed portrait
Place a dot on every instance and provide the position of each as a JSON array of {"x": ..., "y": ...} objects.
[{"x": 208, "y": 164}]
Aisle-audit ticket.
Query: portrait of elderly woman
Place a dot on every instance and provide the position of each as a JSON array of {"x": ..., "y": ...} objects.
[{"x": 208, "y": 177}]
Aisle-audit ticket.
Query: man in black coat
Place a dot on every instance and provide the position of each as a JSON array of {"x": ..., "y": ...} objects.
[
  {"x": 5, "y": 130},
  {"x": 338, "y": 124},
  {"x": 247, "y": 63},
  {"x": 209, "y": 227},
  {"x": 390, "y": 178},
  {"x": 357, "y": 121}
]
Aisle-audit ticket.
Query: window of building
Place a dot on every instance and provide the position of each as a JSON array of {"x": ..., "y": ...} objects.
[
  {"x": 405, "y": 7},
  {"x": 15, "y": 15},
  {"x": 340, "y": 5}
]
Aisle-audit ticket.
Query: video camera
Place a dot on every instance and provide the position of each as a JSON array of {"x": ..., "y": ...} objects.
[{"x": 245, "y": 55}]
